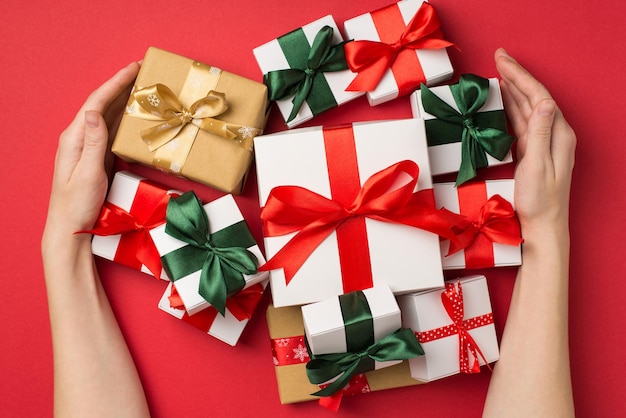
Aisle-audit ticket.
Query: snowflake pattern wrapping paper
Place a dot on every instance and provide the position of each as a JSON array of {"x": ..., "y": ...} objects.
[
  {"x": 290, "y": 357},
  {"x": 217, "y": 115}
]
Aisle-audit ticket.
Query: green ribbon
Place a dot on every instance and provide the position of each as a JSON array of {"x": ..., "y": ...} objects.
[
  {"x": 305, "y": 78},
  {"x": 222, "y": 257},
  {"x": 362, "y": 352},
  {"x": 481, "y": 133}
]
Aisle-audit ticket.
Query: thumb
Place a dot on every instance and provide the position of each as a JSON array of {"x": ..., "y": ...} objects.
[
  {"x": 96, "y": 139},
  {"x": 539, "y": 133}
]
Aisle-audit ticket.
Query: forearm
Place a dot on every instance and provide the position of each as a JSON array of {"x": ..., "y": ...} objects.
[
  {"x": 533, "y": 376},
  {"x": 94, "y": 372}
]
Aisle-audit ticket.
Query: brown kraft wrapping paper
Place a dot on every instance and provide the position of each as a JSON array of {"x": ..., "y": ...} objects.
[
  {"x": 293, "y": 384},
  {"x": 216, "y": 161}
]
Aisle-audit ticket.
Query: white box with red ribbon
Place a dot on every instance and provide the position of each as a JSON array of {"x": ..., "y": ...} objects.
[
  {"x": 495, "y": 239},
  {"x": 455, "y": 327},
  {"x": 409, "y": 22},
  {"x": 134, "y": 206},
  {"x": 318, "y": 188}
]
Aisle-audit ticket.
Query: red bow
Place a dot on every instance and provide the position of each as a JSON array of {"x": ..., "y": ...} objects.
[
  {"x": 291, "y": 208},
  {"x": 452, "y": 301},
  {"x": 372, "y": 59},
  {"x": 241, "y": 305},
  {"x": 147, "y": 212},
  {"x": 496, "y": 220}
]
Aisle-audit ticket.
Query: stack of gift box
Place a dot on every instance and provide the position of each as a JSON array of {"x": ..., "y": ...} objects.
[{"x": 356, "y": 234}]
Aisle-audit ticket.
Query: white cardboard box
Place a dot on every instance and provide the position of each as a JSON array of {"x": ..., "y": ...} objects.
[
  {"x": 221, "y": 213},
  {"x": 424, "y": 311},
  {"x": 406, "y": 258},
  {"x": 435, "y": 63},
  {"x": 270, "y": 57}
]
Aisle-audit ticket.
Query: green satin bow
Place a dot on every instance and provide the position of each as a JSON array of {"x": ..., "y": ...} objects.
[
  {"x": 401, "y": 345},
  {"x": 222, "y": 256},
  {"x": 479, "y": 137},
  {"x": 301, "y": 80}
]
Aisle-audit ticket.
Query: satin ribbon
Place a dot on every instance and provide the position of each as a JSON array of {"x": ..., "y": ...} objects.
[
  {"x": 295, "y": 209},
  {"x": 159, "y": 103},
  {"x": 494, "y": 221},
  {"x": 147, "y": 211},
  {"x": 302, "y": 80},
  {"x": 470, "y": 94},
  {"x": 400, "y": 345},
  {"x": 371, "y": 59},
  {"x": 223, "y": 258},
  {"x": 241, "y": 305},
  {"x": 452, "y": 301}
]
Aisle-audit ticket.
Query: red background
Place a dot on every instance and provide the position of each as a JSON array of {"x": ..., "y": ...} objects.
[{"x": 54, "y": 53}]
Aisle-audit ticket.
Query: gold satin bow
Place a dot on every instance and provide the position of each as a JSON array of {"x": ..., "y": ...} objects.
[{"x": 159, "y": 103}]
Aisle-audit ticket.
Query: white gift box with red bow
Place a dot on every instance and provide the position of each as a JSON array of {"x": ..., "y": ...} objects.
[{"x": 440, "y": 336}]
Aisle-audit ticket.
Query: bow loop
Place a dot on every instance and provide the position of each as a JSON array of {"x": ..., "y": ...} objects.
[
  {"x": 496, "y": 220},
  {"x": 159, "y": 103},
  {"x": 400, "y": 345},
  {"x": 323, "y": 57},
  {"x": 223, "y": 266},
  {"x": 470, "y": 95}
]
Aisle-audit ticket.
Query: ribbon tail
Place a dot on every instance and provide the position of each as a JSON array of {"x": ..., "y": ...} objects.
[
  {"x": 332, "y": 402},
  {"x": 212, "y": 286},
  {"x": 301, "y": 94},
  {"x": 149, "y": 255},
  {"x": 341, "y": 382}
]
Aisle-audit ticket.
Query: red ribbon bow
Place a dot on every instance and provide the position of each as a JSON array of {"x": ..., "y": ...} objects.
[
  {"x": 452, "y": 301},
  {"x": 372, "y": 59},
  {"x": 147, "y": 212},
  {"x": 241, "y": 305},
  {"x": 291, "y": 208},
  {"x": 496, "y": 220}
]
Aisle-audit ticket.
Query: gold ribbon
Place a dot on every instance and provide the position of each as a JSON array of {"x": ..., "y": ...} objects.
[{"x": 171, "y": 140}]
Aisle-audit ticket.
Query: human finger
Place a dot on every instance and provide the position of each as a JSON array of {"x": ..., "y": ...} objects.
[
  {"x": 563, "y": 145},
  {"x": 539, "y": 133},
  {"x": 519, "y": 78},
  {"x": 96, "y": 139},
  {"x": 513, "y": 112}
]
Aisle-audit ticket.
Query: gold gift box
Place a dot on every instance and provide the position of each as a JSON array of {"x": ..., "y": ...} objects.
[
  {"x": 217, "y": 161},
  {"x": 293, "y": 384}
]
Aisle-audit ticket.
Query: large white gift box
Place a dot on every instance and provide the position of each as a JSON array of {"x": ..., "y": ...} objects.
[
  {"x": 439, "y": 335},
  {"x": 335, "y": 163},
  {"x": 271, "y": 56},
  {"x": 470, "y": 199},
  {"x": 386, "y": 25},
  {"x": 221, "y": 213}
]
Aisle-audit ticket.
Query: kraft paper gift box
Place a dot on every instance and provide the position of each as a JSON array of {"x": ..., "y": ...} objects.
[
  {"x": 496, "y": 237},
  {"x": 192, "y": 120},
  {"x": 453, "y": 133},
  {"x": 290, "y": 356},
  {"x": 384, "y": 75},
  {"x": 472, "y": 328},
  {"x": 289, "y": 56},
  {"x": 320, "y": 164},
  {"x": 132, "y": 200},
  {"x": 185, "y": 262},
  {"x": 227, "y": 328}
]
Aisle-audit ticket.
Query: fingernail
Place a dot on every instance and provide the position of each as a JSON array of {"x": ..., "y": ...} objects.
[{"x": 92, "y": 119}]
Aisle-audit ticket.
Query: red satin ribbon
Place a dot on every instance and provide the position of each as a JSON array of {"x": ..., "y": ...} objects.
[
  {"x": 241, "y": 306},
  {"x": 292, "y": 208},
  {"x": 292, "y": 350},
  {"x": 371, "y": 59},
  {"x": 452, "y": 301},
  {"x": 146, "y": 212},
  {"x": 493, "y": 221}
]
